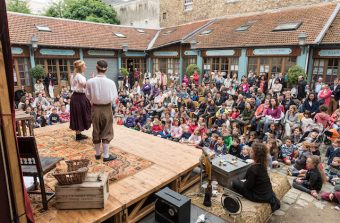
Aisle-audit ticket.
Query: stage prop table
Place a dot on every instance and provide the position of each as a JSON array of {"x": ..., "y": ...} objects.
[
  {"x": 251, "y": 212},
  {"x": 24, "y": 121},
  {"x": 226, "y": 168}
]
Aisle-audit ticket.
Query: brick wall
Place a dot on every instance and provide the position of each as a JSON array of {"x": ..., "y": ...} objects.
[{"x": 172, "y": 11}]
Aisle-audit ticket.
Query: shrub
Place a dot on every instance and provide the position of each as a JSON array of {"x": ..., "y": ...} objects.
[
  {"x": 191, "y": 69},
  {"x": 37, "y": 72},
  {"x": 124, "y": 71},
  {"x": 293, "y": 73}
]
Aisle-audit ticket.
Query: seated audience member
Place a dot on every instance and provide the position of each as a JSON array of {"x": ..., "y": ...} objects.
[
  {"x": 156, "y": 127},
  {"x": 235, "y": 148},
  {"x": 185, "y": 135},
  {"x": 288, "y": 151},
  {"x": 257, "y": 186},
  {"x": 64, "y": 115},
  {"x": 312, "y": 182},
  {"x": 195, "y": 138},
  {"x": 54, "y": 117},
  {"x": 176, "y": 131},
  {"x": 245, "y": 153},
  {"x": 332, "y": 197},
  {"x": 205, "y": 141},
  {"x": 322, "y": 117},
  {"x": 300, "y": 161},
  {"x": 219, "y": 147}
]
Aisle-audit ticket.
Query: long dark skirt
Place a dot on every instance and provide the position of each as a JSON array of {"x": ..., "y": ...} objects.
[{"x": 80, "y": 112}]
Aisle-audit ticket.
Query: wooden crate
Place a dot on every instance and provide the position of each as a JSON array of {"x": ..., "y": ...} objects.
[{"x": 90, "y": 194}]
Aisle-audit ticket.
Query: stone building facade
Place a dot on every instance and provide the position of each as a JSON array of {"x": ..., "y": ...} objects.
[
  {"x": 138, "y": 13},
  {"x": 175, "y": 12}
]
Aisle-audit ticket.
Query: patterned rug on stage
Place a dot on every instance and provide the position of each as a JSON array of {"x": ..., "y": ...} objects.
[{"x": 61, "y": 143}]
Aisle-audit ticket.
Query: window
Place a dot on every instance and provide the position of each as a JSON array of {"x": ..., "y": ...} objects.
[
  {"x": 206, "y": 32},
  {"x": 233, "y": 65},
  {"x": 289, "y": 62},
  {"x": 245, "y": 26},
  {"x": 52, "y": 69},
  {"x": 139, "y": 63},
  {"x": 318, "y": 68},
  {"x": 276, "y": 65},
  {"x": 164, "y": 15},
  {"x": 166, "y": 65},
  {"x": 169, "y": 31},
  {"x": 63, "y": 69},
  {"x": 43, "y": 28},
  {"x": 21, "y": 68},
  {"x": 253, "y": 64},
  {"x": 141, "y": 30},
  {"x": 187, "y": 61},
  {"x": 228, "y": 65},
  {"x": 287, "y": 26},
  {"x": 119, "y": 35},
  {"x": 332, "y": 70},
  {"x": 264, "y": 65},
  {"x": 188, "y": 5}
]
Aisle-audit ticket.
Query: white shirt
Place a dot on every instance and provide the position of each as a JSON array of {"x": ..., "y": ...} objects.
[
  {"x": 78, "y": 83},
  {"x": 101, "y": 90}
]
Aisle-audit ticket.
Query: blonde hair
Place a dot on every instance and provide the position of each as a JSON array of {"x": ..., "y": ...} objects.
[{"x": 78, "y": 66}]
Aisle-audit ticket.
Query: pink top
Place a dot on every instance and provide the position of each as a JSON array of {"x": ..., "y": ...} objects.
[{"x": 326, "y": 95}]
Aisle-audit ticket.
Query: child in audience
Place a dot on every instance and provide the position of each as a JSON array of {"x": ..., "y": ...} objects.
[
  {"x": 156, "y": 127},
  {"x": 186, "y": 135},
  {"x": 245, "y": 153},
  {"x": 195, "y": 138},
  {"x": 220, "y": 148},
  {"x": 176, "y": 131},
  {"x": 312, "y": 182},
  {"x": 205, "y": 141},
  {"x": 213, "y": 141},
  {"x": 288, "y": 151},
  {"x": 54, "y": 117},
  {"x": 300, "y": 162},
  {"x": 235, "y": 148}
]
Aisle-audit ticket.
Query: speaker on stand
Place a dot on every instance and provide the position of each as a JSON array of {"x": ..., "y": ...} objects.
[{"x": 172, "y": 207}]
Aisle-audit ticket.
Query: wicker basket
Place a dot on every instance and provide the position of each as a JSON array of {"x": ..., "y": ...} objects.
[
  {"x": 73, "y": 165},
  {"x": 76, "y": 172},
  {"x": 73, "y": 177}
]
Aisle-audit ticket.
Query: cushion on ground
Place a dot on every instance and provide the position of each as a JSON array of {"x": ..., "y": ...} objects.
[{"x": 251, "y": 212}]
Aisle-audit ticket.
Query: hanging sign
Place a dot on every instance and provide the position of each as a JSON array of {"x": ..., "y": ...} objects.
[
  {"x": 135, "y": 54},
  {"x": 329, "y": 53},
  {"x": 190, "y": 53},
  {"x": 57, "y": 52},
  {"x": 220, "y": 53},
  {"x": 101, "y": 53},
  {"x": 17, "y": 50},
  {"x": 165, "y": 53},
  {"x": 272, "y": 51}
]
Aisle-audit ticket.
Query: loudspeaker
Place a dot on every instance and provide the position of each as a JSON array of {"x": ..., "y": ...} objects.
[{"x": 172, "y": 207}]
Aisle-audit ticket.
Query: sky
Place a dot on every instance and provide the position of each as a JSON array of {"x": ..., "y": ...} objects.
[{"x": 39, "y": 6}]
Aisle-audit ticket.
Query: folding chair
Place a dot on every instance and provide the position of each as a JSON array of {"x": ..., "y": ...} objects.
[{"x": 33, "y": 166}]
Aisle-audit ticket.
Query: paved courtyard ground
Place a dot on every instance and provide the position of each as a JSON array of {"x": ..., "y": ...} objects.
[{"x": 297, "y": 206}]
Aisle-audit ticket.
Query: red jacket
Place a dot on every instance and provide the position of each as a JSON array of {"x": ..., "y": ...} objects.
[
  {"x": 196, "y": 79},
  {"x": 157, "y": 128}
]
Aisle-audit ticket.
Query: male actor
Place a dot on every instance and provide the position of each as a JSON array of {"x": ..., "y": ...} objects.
[{"x": 102, "y": 92}]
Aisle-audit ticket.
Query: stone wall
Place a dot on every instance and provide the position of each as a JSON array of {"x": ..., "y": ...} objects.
[
  {"x": 172, "y": 11},
  {"x": 139, "y": 13}
]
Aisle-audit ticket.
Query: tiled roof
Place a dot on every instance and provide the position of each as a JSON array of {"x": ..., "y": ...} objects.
[
  {"x": 177, "y": 33},
  {"x": 71, "y": 33},
  {"x": 313, "y": 20},
  {"x": 333, "y": 34}
]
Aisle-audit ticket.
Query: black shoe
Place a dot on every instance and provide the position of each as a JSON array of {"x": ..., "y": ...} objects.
[
  {"x": 81, "y": 137},
  {"x": 110, "y": 158},
  {"x": 98, "y": 157}
]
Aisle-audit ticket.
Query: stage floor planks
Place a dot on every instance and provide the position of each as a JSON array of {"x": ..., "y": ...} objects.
[{"x": 171, "y": 160}]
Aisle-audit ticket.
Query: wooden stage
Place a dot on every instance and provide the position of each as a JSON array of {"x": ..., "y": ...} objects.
[{"x": 132, "y": 197}]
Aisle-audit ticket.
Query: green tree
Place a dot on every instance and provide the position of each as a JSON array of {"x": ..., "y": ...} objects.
[
  {"x": 18, "y": 6},
  {"x": 293, "y": 73},
  {"x": 88, "y": 10}
]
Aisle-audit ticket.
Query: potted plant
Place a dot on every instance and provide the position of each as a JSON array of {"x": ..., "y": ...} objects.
[
  {"x": 37, "y": 72},
  {"x": 124, "y": 72},
  {"x": 293, "y": 73},
  {"x": 191, "y": 69}
]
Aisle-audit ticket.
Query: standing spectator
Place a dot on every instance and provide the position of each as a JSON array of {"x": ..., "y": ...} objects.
[
  {"x": 318, "y": 85},
  {"x": 301, "y": 88},
  {"x": 325, "y": 95},
  {"x": 49, "y": 85},
  {"x": 196, "y": 77},
  {"x": 38, "y": 87},
  {"x": 335, "y": 95}
]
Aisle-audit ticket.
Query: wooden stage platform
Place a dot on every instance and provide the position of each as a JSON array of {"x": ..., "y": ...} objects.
[{"x": 132, "y": 197}]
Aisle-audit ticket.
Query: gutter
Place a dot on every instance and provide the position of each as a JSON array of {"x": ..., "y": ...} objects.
[{"x": 331, "y": 19}]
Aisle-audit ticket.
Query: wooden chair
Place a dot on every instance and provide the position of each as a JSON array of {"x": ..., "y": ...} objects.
[{"x": 33, "y": 166}]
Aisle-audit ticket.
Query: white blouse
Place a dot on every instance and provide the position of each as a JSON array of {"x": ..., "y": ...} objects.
[{"x": 78, "y": 83}]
